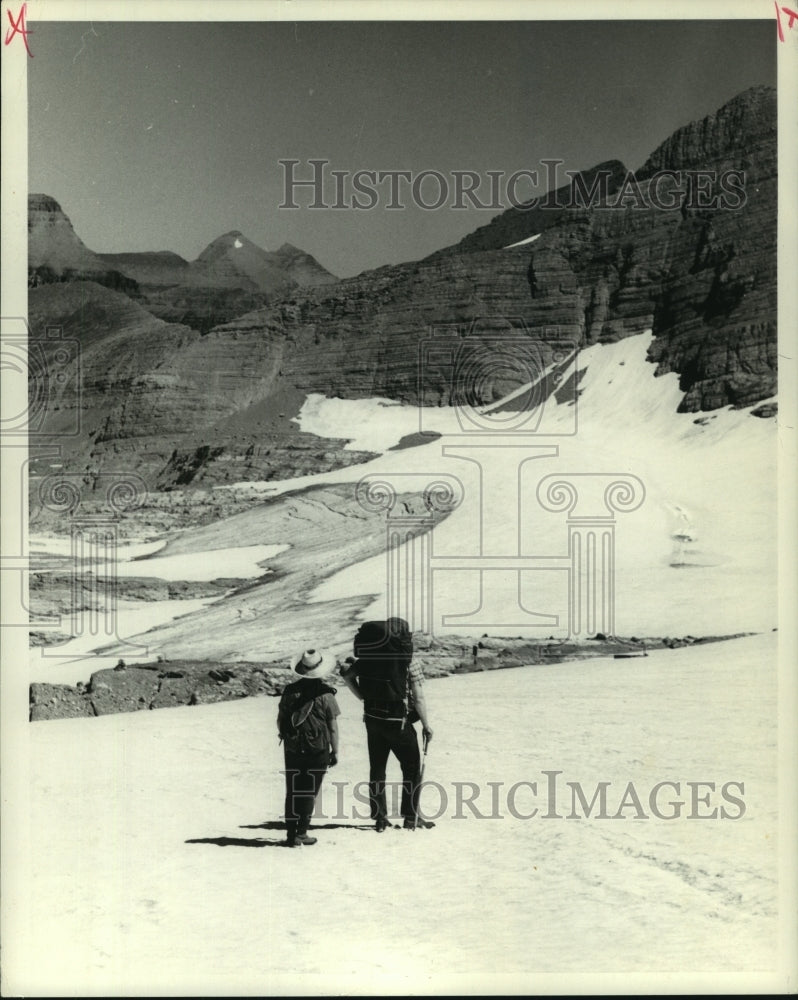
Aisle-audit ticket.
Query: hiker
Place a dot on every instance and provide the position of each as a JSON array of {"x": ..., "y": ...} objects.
[
  {"x": 307, "y": 722},
  {"x": 389, "y": 684}
]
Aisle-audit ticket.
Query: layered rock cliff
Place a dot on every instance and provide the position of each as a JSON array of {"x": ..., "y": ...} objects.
[
  {"x": 160, "y": 400},
  {"x": 690, "y": 255}
]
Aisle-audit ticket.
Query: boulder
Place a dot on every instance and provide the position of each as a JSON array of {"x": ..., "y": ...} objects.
[{"x": 57, "y": 701}]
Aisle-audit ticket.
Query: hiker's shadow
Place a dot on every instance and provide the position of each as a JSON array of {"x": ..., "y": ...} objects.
[
  {"x": 238, "y": 841},
  {"x": 276, "y": 824},
  {"x": 272, "y": 824}
]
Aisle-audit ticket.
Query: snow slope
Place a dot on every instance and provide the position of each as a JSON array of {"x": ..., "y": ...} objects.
[
  {"x": 142, "y": 560},
  {"x": 77, "y": 659},
  {"x": 697, "y": 557},
  {"x": 157, "y": 867},
  {"x": 707, "y": 526}
]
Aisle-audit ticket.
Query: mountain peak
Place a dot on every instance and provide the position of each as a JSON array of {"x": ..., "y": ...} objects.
[
  {"x": 726, "y": 138},
  {"x": 43, "y": 203},
  {"x": 54, "y": 248},
  {"x": 226, "y": 243}
]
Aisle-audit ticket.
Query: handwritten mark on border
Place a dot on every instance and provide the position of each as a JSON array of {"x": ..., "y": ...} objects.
[
  {"x": 791, "y": 14},
  {"x": 18, "y": 28}
]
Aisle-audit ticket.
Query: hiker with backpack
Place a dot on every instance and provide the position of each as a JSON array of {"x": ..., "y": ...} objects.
[
  {"x": 383, "y": 676},
  {"x": 307, "y": 720}
]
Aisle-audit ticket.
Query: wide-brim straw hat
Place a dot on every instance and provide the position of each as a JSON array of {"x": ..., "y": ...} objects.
[{"x": 312, "y": 663}]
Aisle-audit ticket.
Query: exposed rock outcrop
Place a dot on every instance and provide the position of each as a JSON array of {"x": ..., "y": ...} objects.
[
  {"x": 58, "y": 593},
  {"x": 189, "y": 682},
  {"x": 56, "y": 253},
  {"x": 158, "y": 685}
]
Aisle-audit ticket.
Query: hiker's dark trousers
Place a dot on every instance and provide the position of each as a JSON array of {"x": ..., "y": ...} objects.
[
  {"x": 386, "y": 737},
  {"x": 304, "y": 773}
]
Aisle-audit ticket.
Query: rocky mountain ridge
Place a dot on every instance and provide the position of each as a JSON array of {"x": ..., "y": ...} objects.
[
  {"x": 195, "y": 404},
  {"x": 701, "y": 274},
  {"x": 231, "y": 276}
]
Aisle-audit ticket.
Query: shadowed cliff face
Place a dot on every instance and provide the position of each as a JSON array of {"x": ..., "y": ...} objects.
[
  {"x": 187, "y": 405},
  {"x": 701, "y": 275},
  {"x": 161, "y": 400}
]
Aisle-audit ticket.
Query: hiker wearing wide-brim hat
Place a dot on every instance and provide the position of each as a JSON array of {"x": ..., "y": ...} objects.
[
  {"x": 313, "y": 663},
  {"x": 308, "y": 726}
]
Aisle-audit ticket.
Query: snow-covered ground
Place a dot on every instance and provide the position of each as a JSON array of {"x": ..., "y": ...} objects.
[
  {"x": 155, "y": 842},
  {"x": 150, "y": 860},
  {"x": 77, "y": 659}
]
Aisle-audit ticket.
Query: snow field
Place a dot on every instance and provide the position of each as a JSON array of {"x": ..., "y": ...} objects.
[{"x": 158, "y": 857}]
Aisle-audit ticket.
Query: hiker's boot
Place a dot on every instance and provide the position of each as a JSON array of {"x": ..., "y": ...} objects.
[
  {"x": 302, "y": 840},
  {"x": 418, "y": 823}
]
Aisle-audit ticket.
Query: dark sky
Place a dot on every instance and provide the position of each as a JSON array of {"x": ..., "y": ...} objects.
[{"x": 164, "y": 136}]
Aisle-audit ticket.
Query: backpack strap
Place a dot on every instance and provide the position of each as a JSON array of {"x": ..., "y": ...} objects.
[
  {"x": 295, "y": 714},
  {"x": 299, "y": 715}
]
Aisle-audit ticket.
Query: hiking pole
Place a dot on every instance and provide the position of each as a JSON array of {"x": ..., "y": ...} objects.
[{"x": 420, "y": 779}]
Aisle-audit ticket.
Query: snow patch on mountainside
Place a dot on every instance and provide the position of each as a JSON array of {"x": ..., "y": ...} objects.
[
  {"x": 522, "y": 243},
  {"x": 716, "y": 470}
]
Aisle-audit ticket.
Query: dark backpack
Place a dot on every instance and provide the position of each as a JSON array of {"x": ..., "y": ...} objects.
[
  {"x": 301, "y": 720},
  {"x": 384, "y": 650}
]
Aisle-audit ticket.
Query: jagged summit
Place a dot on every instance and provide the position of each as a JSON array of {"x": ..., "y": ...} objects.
[
  {"x": 43, "y": 203},
  {"x": 302, "y": 266},
  {"x": 288, "y": 265},
  {"x": 716, "y": 140}
]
